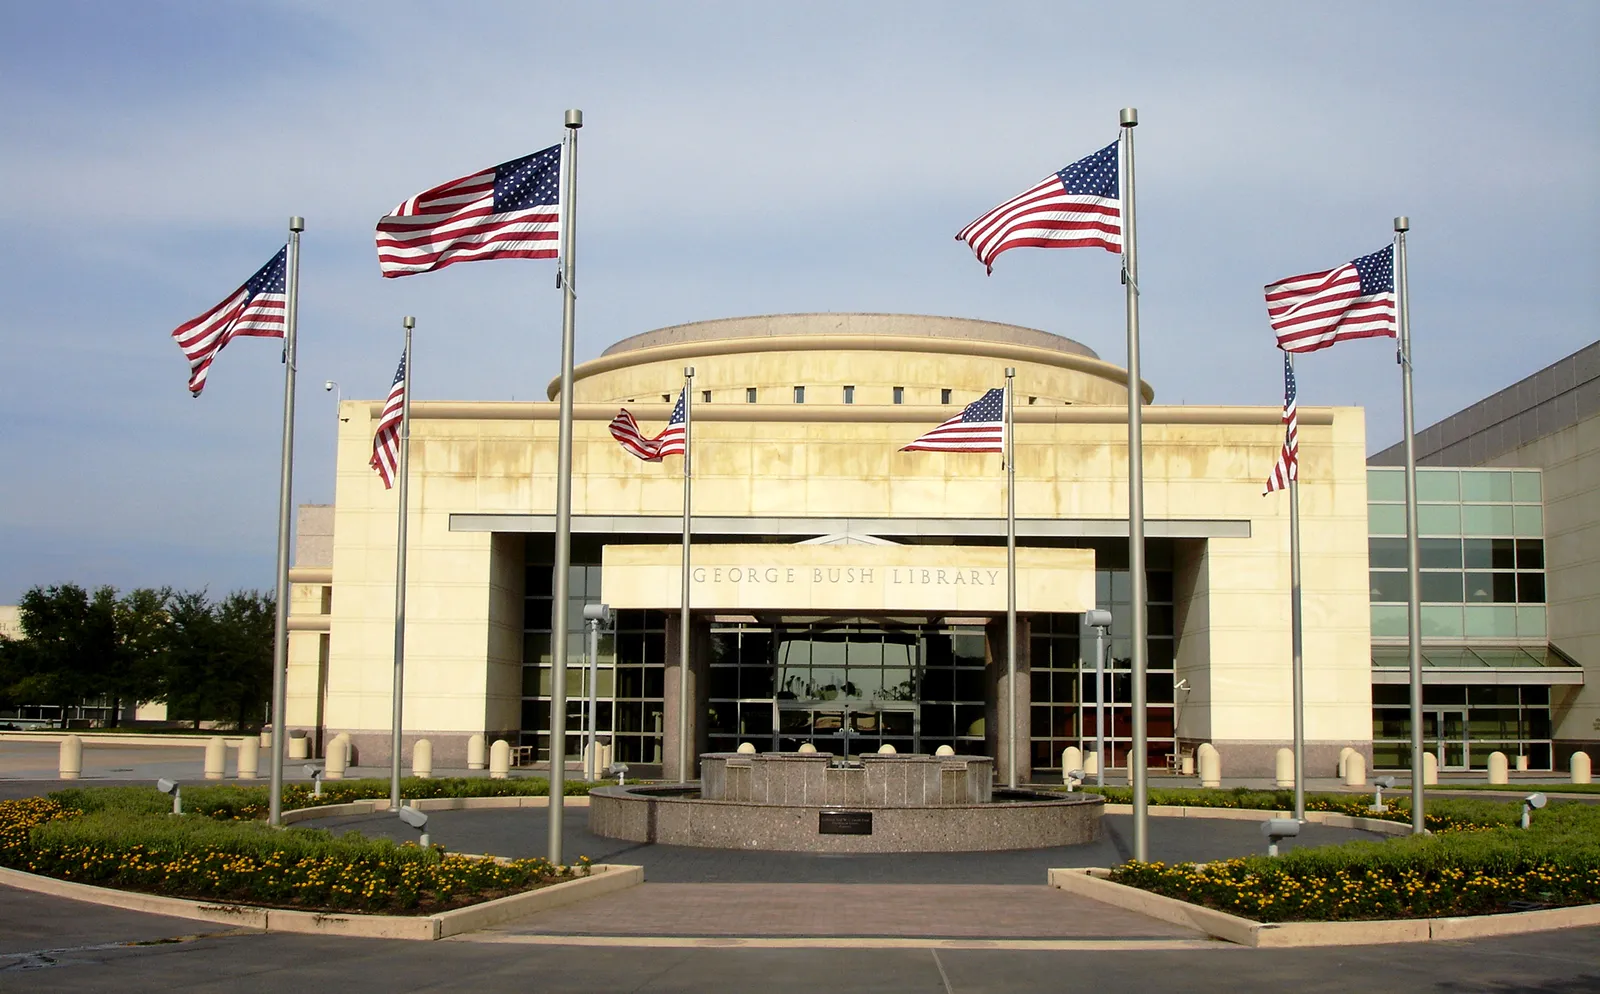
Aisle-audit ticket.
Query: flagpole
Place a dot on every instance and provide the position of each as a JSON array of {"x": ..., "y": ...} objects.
[
  {"x": 563, "y": 537},
  {"x": 1296, "y": 637},
  {"x": 1011, "y": 583},
  {"x": 400, "y": 575},
  {"x": 685, "y": 754},
  {"x": 280, "y": 622},
  {"x": 1137, "y": 762},
  {"x": 1413, "y": 577}
]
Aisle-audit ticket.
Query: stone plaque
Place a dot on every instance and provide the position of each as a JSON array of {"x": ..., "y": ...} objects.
[{"x": 844, "y": 823}]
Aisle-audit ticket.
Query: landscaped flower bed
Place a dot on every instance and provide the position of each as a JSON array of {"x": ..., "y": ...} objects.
[
  {"x": 1556, "y": 863},
  {"x": 1442, "y": 814},
  {"x": 119, "y": 845}
]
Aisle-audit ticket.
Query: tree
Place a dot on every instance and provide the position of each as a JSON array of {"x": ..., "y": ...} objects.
[
  {"x": 143, "y": 627},
  {"x": 68, "y": 645},
  {"x": 219, "y": 657}
]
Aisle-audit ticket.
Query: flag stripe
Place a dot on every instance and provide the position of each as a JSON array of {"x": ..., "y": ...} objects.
[
  {"x": 1078, "y": 207},
  {"x": 1288, "y": 465},
  {"x": 386, "y": 440},
  {"x": 1315, "y": 310},
  {"x": 257, "y": 309},
  {"x": 671, "y": 441},
  {"x": 980, "y": 427}
]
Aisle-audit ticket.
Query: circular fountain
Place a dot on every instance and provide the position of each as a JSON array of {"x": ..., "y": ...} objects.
[{"x": 815, "y": 802}]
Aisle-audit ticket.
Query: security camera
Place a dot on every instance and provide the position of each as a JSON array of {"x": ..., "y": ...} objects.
[
  {"x": 1528, "y": 804},
  {"x": 1276, "y": 829},
  {"x": 328, "y": 385}
]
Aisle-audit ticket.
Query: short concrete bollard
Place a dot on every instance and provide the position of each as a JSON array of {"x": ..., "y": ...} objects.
[
  {"x": 808, "y": 749},
  {"x": 746, "y": 749},
  {"x": 71, "y": 765},
  {"x": 1091, "y": 764},
  {"x": 216, "y": 757},
  {"x": 1522, "y": 763},
  {"x": 422, "y": 759},
  {"x": 1580, "y": 766},
  {"x": 1498, "y": 768},
  {"x": 1355, "y": 770},
  {"x": 1430, "y": 770},
  {"x": 1071, "y": 759},
  {"x": 299, "y": 745},
  {"x": 337, "y": 758},
  {"x": 1186, "y": 765},
  {"x": 1209, "y": 762},
  {"x": 249, "y": 757},
  {"x": 884, "y": 750},
  {"x": 1344, "y": 756},
  {"x": 500, "y": 759},
  {"x": 475, "y": 753},
  {"x": 1283, "y": 768},
  {"x": 264, "y": 740},
  {"x": 943, "y": 750}
]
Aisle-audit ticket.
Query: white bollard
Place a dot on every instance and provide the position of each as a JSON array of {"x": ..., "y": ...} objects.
[
  {"x": 1580, "y": 766},
  {"x": 943, "y": 750},
  {"x": 1355, "y": 770},
  {"x": 1209, "y": 762},
  {"x": 1498, "y": 772},
  {"x": 1283, "y": 768},
  {"x": 808, "y": 749},
  {"x": 216, "y": 757},
  {"x": 884, "y": 750},
  {"x": 422, "y": 759},
  {"x": 264, "y": 740},
  {"x": 1187, "y": 765},
  {"x": 1344, "y": 755},
  {"x": 249, "y": 757},
  {"x": 475, "y": 753},
  {"x": 1071, "y": 759},
  {"x": 746, "y": 749},
  {"x": 500, "y": 760},
  {"x": 1522, "y": 763},
  {"x": 1091, "y": 764},
  {"x": 1430, "y": 770},
  {"x": 299, "y": 745},
  {"x": 338, "y": 756},
  {"x": 71, "y": 765}
]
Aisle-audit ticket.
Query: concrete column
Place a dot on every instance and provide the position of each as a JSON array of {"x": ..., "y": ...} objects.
[{"x": 699, "y": 673}]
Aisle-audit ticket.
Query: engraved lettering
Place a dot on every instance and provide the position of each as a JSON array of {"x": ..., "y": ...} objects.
[
  {"x": 699, "y": 574},
  {"x": 816, "y": 575},
  {"x": 941, "y": 578},
  {"x": 866, "y": 576},
  {"x": 716, "y": 574},
  {"x": 772, "y": 574},
  {"x": 959, "y": 580},
  {"x": 789, "y": 577},
  {"x": 994, "y": 577},
  {"x": 752, "y": 575},
  {"x": 976, "y": 580},
  {"x": 927, "y": 576}
]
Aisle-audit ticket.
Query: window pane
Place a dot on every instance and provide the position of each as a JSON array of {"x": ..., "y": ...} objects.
[
  {"x": 1480, "y": 588},
  {"x": 1386, "y": 519},
  {"x": 1388, "y": 587},
  {"x": 1527, "y": 487},
  {"x": 1386, "y": 485},
  {"x": 1386, "y": 552},
  {"x": 1478, "y": 553},
  {"x": 1441, "y": 622},
  {"x": 1491, "y": 621},
  {"x": 1487, "y": 519},
  {"x": 1441, "y": 587},
  {"x": 1530, "y": 622},
  {"x": 1439, "y": 519},
  {"x": 1438, "y": 485},
  {"x": 1529, "y": 520},
  {"x": 1388, "y": 621},
  {"x": 1530, "y": 553},
  {"x": 1485, "y": 485},
  {"x": 1505, "y": 588},
  {"x": 1530, "y": 588},
  {"x": 1439, "y": 553}
]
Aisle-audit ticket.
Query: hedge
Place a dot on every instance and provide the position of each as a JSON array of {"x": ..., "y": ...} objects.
[{"x": 1441, "y": 814}]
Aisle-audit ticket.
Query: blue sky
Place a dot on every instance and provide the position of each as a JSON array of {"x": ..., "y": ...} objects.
[{"x": 738, "y": 159}]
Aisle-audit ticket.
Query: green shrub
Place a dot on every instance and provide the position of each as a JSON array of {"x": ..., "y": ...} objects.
[{"x": 1442, "y": 814}]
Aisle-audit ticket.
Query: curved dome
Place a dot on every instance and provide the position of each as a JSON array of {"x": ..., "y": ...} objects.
[{"x": 897, "y": 325}]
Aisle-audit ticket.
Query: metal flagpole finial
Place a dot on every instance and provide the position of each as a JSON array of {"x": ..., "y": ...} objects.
[
  {"x": 1011, "y": 371},
  {"x": 688, "y": 371},
  {"x": 297, "y": 223},
  {"x": 1129, "y": 117},
  {"x": 408, "y": 321},
  {"x": 1402, "y": 223},
  {"x": 574, "y": 119}
]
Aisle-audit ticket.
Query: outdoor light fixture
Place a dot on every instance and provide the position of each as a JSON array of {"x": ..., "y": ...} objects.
[
  {"x": 171, "y": 787},
  {"x": 1073, "y": 778},
  {"x": 417, "y": 820},
  {"x": 1529, "y": 803},
  {"x": 1379, "y": 785},
  {"x": 621, "y": 772},
  {"x": 315, "y": 773},
  {"x": 1100, "y": 621},
  {"x": 1276, "y": 829}
]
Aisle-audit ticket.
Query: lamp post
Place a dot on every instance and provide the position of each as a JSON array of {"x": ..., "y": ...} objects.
[
  {"x": 594, "y": 615},
  {"x": 1100, "y": 621}
]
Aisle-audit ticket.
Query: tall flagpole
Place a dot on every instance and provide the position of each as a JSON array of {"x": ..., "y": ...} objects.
[
  {"x": 1414, "y": 578},
  {"x": 563, "y": 556},
  {"x": 400, "y": 577},
  {"x": 1137, "y": 762},
  {"x": 1010, "y": 447},
  {"x": 280, "y": 622},
  {"x": 685, "y": 753},
  {"x": 1296, "y": 639}
]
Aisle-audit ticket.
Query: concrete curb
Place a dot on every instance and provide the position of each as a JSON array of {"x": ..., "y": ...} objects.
[
  {"x": 373, "y": 805},
  {"x": 1332, "y": 819},
  {"x": 1091, "y": 883},
  {"x": 603, "y": 878},
  {"x": 126, "y": 738}
]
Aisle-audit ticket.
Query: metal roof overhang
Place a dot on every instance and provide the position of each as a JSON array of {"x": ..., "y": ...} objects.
[
  {"x": 660, "y": 524},
  {"x": 1479, "y": 665}
]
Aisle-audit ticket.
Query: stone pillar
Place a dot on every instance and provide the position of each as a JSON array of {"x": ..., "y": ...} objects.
[
  {"x": 998, "y": 713},
  {"x": 699, "y": 672}
]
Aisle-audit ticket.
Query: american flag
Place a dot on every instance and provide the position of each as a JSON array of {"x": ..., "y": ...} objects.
[
  {"x": 1317, "y": 310},
  {"x": 386, "y": 443},
  {"x": 980, "y": 427},
  {"x": 254, "y": 310},
  {"x": 509, "y": 212},
  {"x": 1077, "y": 207},
  {"x": 669, "y": 443},
  {"x": 1288, "y": 467}
]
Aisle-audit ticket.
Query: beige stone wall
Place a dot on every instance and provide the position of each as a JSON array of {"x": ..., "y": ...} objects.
[
  {"x": 1570, "y": 459},
  {"x": 10, "y": 621}
]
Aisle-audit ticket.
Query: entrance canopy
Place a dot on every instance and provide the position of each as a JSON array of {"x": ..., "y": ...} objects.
[{"x": 829, "y": 579}]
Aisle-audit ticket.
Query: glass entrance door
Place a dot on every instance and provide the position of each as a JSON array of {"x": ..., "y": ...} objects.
[
  {"x": 1444, "y": 732},
  {"x": 849, "y": 728}
]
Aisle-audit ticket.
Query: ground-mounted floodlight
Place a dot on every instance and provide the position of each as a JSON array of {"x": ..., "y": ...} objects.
[
  {"x": 315, "y": 773},
  {"x": 1529, "y": 803},
  {"x": 171, "y": 787},
  {"x": 1379, "y": 785},
  {"x": 1073, "y": 778},
  {"x": 1277, "y": 829},
  {"x": 417, "y": 820},
  {"x": 620, "y": 771}
]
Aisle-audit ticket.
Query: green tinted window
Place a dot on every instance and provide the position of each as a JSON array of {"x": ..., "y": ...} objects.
[
  {"x": 1530, "y": 621},
  {"x": 1491, "y": 621},
  {"x": 1441, "y": 622},
  {"x": 1487, "y": 519},
  {"x": 1527, "y": 487},
  {"x": 1386, "y": 519},
  {"x": 1386, "y": 552},
  {"x": 1485, "y": 485},
  {"x": 1386, "y": 485},
  {"x": 1438, "y": 485},
  {"x": 1439, "y": 519},
  {"x": 1389, "y": 621},
  {"x": 1529, "y": 520}
]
